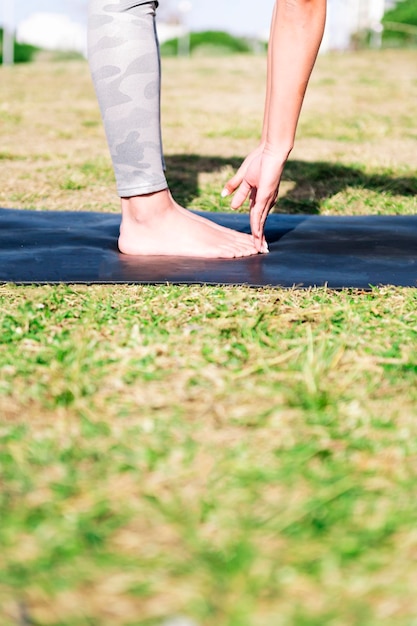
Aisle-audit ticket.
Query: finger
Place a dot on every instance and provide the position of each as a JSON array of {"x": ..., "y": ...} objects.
[
  {"x": 263, "y": 219},
  {"x": 254, "y": 226},
  {"x": 257, "y": 210},
  {"x": 264, "y": 244},
  {"x": 258, "y": 216},
  {"x": 252, "y": 198},
  {"x": 264, "y": 210},
  {"x": 241, "y": 195},
  {"x": 233, "y": 183}
]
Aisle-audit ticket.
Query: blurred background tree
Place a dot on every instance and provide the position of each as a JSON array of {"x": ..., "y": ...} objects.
[
  {"x": 400, "y": 25},
  {"x": 22, "y": 52}
]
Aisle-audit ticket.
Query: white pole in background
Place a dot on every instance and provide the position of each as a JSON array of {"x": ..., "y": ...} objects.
[
  {"x": 376, "y": 11},
  {"x": 184, "y": 47},
  {"x": 8, "y": 32}
]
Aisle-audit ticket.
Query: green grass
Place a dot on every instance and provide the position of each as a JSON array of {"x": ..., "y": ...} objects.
[
  {"x": 227, "y": 456},
  {"x": 216, "y": 43},
  {"x": 238, "y": 456}
]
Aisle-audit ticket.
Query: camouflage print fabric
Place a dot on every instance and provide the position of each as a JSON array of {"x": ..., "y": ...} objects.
[{"x": 124, "y": 61}]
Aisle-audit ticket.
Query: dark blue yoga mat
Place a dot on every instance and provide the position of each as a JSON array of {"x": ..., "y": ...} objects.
[{"x": 338, "y": 251}]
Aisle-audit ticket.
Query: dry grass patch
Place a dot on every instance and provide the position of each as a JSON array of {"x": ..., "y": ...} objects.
[{"x": 357, "y": 124}]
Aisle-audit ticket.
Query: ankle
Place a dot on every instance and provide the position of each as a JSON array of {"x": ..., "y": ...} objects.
[{"x": 146, "y": 207}]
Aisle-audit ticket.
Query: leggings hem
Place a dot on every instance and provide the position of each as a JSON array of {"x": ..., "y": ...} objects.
[{"x": 141, "y": 191}]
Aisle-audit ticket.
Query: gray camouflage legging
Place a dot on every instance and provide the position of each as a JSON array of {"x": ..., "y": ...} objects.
[{"x": 123, "y": 54}]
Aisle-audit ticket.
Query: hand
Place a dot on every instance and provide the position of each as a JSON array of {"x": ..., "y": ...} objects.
[{"x": 258, "y": 178}]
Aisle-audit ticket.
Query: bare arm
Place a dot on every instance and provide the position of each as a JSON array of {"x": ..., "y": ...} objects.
[{"x": 296, "y": 32}]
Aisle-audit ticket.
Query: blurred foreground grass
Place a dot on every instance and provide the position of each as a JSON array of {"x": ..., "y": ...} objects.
[{"x": 236, "y": 457}]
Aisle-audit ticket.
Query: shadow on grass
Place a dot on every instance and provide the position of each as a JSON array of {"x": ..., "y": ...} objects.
[{"x": 312, "y": 182}]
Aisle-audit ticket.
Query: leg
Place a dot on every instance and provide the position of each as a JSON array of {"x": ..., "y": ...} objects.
[{"x": 125, "y": 67}]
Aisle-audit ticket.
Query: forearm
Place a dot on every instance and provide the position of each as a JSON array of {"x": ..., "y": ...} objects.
[
  {"x": 296, "y": 33},
  {"x": 268, "y": 80}
]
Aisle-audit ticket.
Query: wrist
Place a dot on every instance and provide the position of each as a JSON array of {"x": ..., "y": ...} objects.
[{"x": 278, "y": 150}]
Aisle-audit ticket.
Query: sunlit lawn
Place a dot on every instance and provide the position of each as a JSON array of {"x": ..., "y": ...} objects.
[{"x": 227, "y": 456}]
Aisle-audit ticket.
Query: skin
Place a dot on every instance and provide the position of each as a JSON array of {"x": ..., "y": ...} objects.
[
  {"x": 154, "y": 224},
  {"x": 296, "y": 33}
]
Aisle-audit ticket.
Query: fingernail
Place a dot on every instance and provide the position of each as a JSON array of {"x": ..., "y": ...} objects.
[{"x": 225, "y": 193}]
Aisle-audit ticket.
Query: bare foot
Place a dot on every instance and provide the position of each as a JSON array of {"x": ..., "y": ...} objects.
[
  {"x": 264, "y": 249},
  {"x": 156, "y": 225}
]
